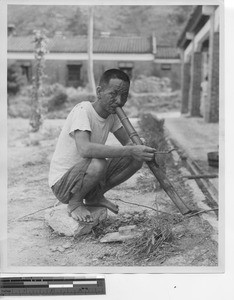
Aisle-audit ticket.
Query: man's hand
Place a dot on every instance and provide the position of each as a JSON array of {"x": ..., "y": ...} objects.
[
  {"x": 142, "y": 153},
  {"x": 130, "y": 143}
]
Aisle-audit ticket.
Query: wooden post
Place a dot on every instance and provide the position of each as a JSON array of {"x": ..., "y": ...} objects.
[{"x": 90, "y": 51}]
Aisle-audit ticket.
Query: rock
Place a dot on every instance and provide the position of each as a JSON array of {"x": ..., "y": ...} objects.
[
  {"x": 127, "y": 230},
  {"x": 112, "y": 237},
  {"x": 59, "y": 220},
  {"x": 67, "y": 245},
  {"x": 127, "y": 216},
  {"x": 57, "y": 248},
  {"x": 53, "y": 248},
  {"x": 60, "y": 249},
  {"x": 124, "y": 233}
]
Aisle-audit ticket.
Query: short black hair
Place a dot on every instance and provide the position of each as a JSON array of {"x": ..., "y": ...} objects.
[{"x": 111, "y": 74}]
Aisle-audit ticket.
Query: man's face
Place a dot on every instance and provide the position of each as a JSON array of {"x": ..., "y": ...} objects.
[{"x": 114, "y": 95}]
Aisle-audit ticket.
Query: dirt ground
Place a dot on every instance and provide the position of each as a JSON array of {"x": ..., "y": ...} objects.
[{"x": 32, "y": 243}]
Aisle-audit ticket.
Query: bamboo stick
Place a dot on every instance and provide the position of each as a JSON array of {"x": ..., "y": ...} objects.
[
  {"x": 158, "y": 173},
  {"x": 201, "y": 176}
]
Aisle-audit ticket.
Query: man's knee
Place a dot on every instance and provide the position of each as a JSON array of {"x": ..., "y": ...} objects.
[
  {"x": 136, "y": 164},
  {"x": 97, "y": 167}
]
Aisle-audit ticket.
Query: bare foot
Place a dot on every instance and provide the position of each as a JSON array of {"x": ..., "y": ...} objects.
[
  {"x": 80, "y": 214},
  {"x": 104, "y": 203}
]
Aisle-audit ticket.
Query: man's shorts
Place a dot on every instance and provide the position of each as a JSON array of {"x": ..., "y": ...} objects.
[{"x": 71, "y": 182}]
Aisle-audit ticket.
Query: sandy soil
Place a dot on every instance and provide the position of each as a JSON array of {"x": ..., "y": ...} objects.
[{"x": 32, "y": 243}]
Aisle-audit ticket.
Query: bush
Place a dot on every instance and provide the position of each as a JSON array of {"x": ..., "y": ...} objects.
[
  {"x": 71, "y": 93},
  {"x": 152, "y": 129},
  {"x": 58, "y": 98},
  {"x": 151, "y": 84},
  {"x": 80, "y": 97},
  {"x": 56, "y": 102},
  {"x": 53, "y": 89},
  {"x": 160, "y": 102},
  {"x": 26, "y": 91},
  {"x": 19, "y": 107},
  {"x": 152, "y": 93},
  {"x": 55, "y": 97},
  {"x": 14, "y": 79},
  {"x": 70, "y": 103}
]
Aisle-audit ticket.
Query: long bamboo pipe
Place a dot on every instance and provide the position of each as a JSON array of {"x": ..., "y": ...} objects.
[{"x": 158, "y": 173}]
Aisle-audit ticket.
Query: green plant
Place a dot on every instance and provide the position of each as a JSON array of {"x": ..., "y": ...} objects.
[
  {"x": 58, "y": 97},
  {"x": 57, "y": 101},
  {"x": 14, "y": 79},
  {"x": 19, "y": 107},
  {"x": 151, "y": 84},
  {"x": 80, "y": 97}
]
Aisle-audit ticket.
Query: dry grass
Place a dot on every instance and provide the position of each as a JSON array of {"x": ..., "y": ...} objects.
[
  {"x": 156, "y": 238},
  {"x": 155, "y": 241}
]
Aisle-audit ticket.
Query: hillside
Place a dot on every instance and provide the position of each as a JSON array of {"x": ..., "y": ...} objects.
[{"x": 166, "y": 22}]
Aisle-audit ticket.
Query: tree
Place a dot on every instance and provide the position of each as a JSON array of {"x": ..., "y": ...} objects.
[
  {"x": 166, "y": 21},
  {"x": 134, "y": 19},
  {"x": 77, "y": 24},
  {"x": 40, "y": 49}
]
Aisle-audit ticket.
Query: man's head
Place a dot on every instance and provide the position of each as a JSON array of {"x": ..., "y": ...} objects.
[
  {"x": 113, "y": 90},
  {"x": 111, "y": 74}
]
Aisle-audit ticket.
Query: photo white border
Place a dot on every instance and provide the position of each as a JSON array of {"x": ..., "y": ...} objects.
[{"x": 3, "y": 155}]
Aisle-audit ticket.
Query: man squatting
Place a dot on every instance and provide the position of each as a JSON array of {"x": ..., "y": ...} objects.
[{"x": 83, "y": 168}]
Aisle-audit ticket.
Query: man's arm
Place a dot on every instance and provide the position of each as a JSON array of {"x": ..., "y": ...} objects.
[
  {"x": 87, "y": 149},
  {"x": 122, "y": 137}
]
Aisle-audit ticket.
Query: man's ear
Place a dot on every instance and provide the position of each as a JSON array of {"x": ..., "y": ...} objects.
[{"x": 98, "y": 91}]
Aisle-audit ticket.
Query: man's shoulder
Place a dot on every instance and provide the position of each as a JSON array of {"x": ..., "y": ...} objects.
[
  {"x": 83, "y": 104},
  {"x": 81, "y": 107}
]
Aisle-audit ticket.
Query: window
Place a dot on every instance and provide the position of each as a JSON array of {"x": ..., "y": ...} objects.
[
  {"x": 126, "y": 67},
  {"x": 128, "y": 71},
  {"x": 73, "y": 77},
  {"x": 165, "y": 66},
  {"x": 26, "y": 71}
]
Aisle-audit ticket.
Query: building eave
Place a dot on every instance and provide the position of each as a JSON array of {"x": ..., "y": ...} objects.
[
  {"x": 83, "y": 56},
  {"x": 197, "y": 20}
]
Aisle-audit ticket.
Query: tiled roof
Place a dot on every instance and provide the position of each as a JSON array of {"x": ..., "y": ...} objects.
[
  {"x": 78, "y": 44},
  {"x": 167, "y": 52},
  {"x": 19, "y": 44},
  {"x": 124, "y": 45}
]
